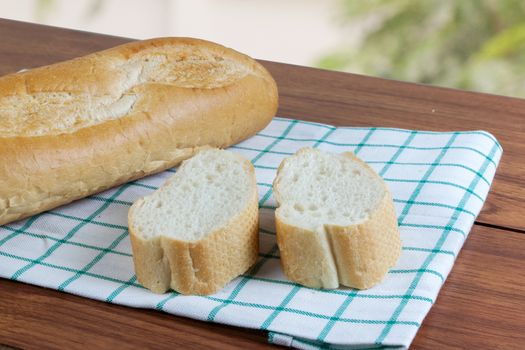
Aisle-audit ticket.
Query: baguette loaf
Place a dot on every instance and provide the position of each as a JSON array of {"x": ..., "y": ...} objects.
[
  {"x": 79, "y": 127},
  {"x": 200, "y": 230},
  {"x": 336, "y": 222}
]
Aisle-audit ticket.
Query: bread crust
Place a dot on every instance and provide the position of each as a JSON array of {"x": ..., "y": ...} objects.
[
  {"x": 303, "y": 257},
  {"x": 362, "y": 253},
  {"x": 167, "y": 124},
  {"x": 204, "y": 266},
  {"x": 365, "y": 252}
]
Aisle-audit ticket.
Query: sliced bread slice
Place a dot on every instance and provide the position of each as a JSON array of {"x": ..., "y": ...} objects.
[
  {"x": 200, "y": 229},
  {"x": 336, "y": 222}
]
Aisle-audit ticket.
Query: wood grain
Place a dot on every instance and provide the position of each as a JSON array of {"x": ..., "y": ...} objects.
[
  {"x": 354, "y": 100},
  {"x": 336, "y": 98},
  {"x": 339, "y": 99},
  {"x": 33, "y": 317},
  {"x": 481, "y": 304}
]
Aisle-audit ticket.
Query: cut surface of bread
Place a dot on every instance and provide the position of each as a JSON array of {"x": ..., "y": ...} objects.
[
  {"x": 200, "y": 229},
  {"x": 336, "y": 222}
]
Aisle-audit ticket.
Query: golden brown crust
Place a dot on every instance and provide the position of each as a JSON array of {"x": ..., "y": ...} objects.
[
  {"x": 303, "y": 257},
  {"x": 201, "y": 267},
  {"x": 167, "y": 124},
  {"x": 206, "y": 266},
  {"x": 365, "y": 252}
]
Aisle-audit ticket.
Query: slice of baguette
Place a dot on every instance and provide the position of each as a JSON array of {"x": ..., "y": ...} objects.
[
  {"x": 199, "y": 230},
  {"x": 336, "y": 222}
]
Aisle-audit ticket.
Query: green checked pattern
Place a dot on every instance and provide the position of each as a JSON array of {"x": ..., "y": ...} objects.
[{"x": 439, "y": 182}]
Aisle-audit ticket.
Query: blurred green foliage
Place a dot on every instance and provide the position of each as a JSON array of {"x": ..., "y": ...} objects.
[
  {"x": 43, "y": 8},
  {"x": 468, "y": 44}
]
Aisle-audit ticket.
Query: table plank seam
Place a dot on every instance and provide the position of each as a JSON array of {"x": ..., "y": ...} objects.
[{"x": 499, "y": 227}]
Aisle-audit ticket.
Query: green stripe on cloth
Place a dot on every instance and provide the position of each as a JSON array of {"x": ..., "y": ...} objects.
[
  {"x": 432, "y": 166},
  {"x": 310, "y": 314},
  {"x": 270, "y": 337},
  {"x": 96, "y": 259},
  {"x": 481, "y": 133},
  {"x": 68, "y": 269},
  {"x": 92, "y": 221},
  {"x": 431, "y": 204},
  {"x": 283, "y": 303},
  {"x": 20, "y": 230},
  {"x": 132, "y": 280},
  {"x": 337, "y": 315},
  {"x": 120, "y": 289},
  {"x": 340, "y": 292},
  {"x": 437, "y": 227},
  {"x": 258, "y": 150},
  {"x": 265, "y": 198},
  {"x": 419, "y": 271},
  {"x": 70, "y": 234},
  {"x": 436, "y": 182},
  {"x": 242, "y": 282},
  {"x": 294, "y": 290},
  {"x": 438, "y": 245},
  {"x": 406, "y": 163},
  {"x": 370, "y": 145},
  {"x": 213, "y": 313},
  {"x": 265, "y": 167},
  {"x": 274, "y": 248},
  {"x": 277, "y": 140},
  {"x": 324, "y": 137},
  {"x": 426, "y": 250},
  {"x": 348, "y": 300},
  {"x": 453, "y": 181},
  {"x": 77, "y": 244},
  {"x": 386, "y": 330},
  {"x": 364, "y": 140},
  {"x": 272, "y": 256},
  {"x": 160, "y": 305},
  {"x": 139, "y": 184},
  {"x": 102, "y": 199}
]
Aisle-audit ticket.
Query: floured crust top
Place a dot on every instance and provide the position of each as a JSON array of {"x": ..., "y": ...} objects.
[{"x": 68, "y": 96}]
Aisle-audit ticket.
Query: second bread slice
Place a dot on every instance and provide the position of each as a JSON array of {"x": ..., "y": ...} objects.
[
  {"x": 200, "y": 230},
  {"x": 336, "y": 222}
]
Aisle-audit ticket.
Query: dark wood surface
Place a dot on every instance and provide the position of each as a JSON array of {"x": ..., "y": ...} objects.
[{"x": 482, "y": 304}]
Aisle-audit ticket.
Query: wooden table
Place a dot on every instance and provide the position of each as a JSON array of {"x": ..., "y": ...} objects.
[{"x": 482, "y": 304}]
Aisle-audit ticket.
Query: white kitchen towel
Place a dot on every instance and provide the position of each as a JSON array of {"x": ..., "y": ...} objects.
[{"x": 439, "y": 181}]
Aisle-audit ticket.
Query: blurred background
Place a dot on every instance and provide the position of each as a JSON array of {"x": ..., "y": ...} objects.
[{"x": 468, "y": 44}]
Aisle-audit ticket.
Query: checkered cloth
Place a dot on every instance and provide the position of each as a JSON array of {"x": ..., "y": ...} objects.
[{"x": 439, "y": 182}]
